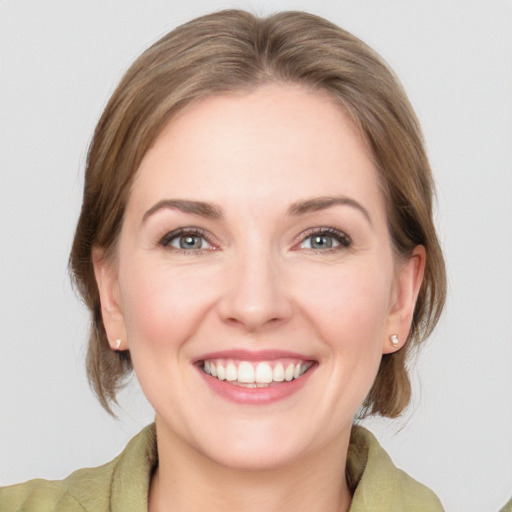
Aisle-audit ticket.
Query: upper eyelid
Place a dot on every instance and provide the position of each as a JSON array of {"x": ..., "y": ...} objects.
[
  {"x": 170, "y": 235},
  {"x": 211, "y": 239},
  {"x": 323, "y": 230}
]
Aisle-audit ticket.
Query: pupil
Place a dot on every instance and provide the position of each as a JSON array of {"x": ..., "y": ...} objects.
[
  {"x": 321, "y": 242},
  {"x": 190, "y": 242}
]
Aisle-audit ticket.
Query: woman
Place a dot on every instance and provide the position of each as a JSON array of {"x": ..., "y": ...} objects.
[{"x": 256, "y": 241}]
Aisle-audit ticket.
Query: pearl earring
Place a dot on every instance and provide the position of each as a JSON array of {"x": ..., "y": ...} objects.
[
  {"x": 118, "y": 344},
  {"x": 394, "y": 340}
]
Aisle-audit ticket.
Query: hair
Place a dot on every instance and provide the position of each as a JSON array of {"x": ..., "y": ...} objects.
[{"x": 235, "y": 51}]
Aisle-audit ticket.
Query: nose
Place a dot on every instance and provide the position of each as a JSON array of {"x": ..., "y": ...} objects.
[{"x": 255, "y": 294}]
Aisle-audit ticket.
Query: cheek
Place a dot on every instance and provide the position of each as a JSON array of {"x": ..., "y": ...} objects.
[
  {"x": 163, "y": 305},
  {"x": 350, "y": 306}
]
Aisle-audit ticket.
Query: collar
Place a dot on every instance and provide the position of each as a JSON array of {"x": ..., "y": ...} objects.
[{"x": 377, "y": 485}]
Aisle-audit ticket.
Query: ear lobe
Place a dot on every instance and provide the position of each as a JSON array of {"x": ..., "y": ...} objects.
[
  {"x": 105, "y": 272},
  {"x": 408, "y": 283}
]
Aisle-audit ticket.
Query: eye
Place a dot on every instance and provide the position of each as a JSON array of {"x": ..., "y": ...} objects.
[
  {"x": 186, "y": 240},
  {"x": 324, "y": 239}
]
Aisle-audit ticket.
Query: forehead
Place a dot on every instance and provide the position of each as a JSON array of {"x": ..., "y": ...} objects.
[{"x": 282, "y": 142}]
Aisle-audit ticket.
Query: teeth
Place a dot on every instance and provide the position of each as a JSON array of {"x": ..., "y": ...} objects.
[
  {"x": 231, "y": 373},
  {"x": 288, "y": 374},
  {"x": 263, "y": 373},
  {"x": 278, "y": 373},
  {"x": 254, "y": 375},
  {"x": 246, "y": 373}
]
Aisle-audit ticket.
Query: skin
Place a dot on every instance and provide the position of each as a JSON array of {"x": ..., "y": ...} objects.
[{"x": 256, "y": 283}]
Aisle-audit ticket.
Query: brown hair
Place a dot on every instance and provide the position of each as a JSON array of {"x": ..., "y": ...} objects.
[{"x": 235, "y": 51}]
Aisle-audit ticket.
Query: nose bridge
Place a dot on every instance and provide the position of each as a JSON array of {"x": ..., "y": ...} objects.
[{"x": 254, "y": 295}]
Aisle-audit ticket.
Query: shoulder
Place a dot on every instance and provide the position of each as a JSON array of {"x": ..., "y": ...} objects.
[
  {"x": 378, "y": 484},
  {"x": 83, "y": 489},
  {"x": 123, "y": 480},
  {"x": 507, "y": 507},
  {"x": 38, "y": 496}
]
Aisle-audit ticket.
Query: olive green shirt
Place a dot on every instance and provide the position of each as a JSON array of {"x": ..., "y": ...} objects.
[
  {"x": 507, "y": 507},
  {"x": 122, "y": 485}
]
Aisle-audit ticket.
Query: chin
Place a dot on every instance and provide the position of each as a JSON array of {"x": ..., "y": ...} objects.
[
  {"x": 258, "y": 444},
  {"x": 255, "y": 454}
]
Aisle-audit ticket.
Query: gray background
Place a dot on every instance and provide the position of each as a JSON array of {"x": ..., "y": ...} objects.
[{"x": 60, "y": 61}]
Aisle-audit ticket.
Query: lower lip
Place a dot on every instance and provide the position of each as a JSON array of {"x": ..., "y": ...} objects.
[{"x": 256, "y": 396}]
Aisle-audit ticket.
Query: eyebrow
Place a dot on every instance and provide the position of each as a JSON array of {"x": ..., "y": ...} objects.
[
  {"x": 213, "y": 211},
  {"x": 322, "y": 203},
  {"x": 201, "y": 208}
]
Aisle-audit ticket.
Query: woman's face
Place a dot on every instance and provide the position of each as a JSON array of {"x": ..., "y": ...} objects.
[{"x": 255, "y": 284}]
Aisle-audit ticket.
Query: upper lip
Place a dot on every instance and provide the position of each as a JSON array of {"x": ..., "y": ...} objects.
[{"x": 253, "y": 355}]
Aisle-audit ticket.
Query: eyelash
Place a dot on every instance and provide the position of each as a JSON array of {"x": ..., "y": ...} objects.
[
  {"x": 168, "y": 238},
  {"x": 340, "y": 237}
]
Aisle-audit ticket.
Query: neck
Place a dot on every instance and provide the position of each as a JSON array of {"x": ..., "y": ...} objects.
[{"x": 188, "y": 481}]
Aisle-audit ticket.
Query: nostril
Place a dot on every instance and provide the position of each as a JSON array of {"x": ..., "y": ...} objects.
[
  {"x": 254, "y": 298},
  {"x": 253, "y": 321}
]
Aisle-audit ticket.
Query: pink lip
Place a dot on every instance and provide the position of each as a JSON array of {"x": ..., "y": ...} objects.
[
  {"x": 253, "y": 396},
  {"x": 249, "y": 355}
]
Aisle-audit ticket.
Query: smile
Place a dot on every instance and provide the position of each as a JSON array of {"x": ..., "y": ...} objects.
[{"x": 256, "y": 374}]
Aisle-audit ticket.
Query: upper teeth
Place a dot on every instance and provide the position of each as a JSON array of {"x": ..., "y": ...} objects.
[{"x": 245, "y": 372}]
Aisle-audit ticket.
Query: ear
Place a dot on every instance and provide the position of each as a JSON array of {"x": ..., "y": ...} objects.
[
  {"x": 408, "y": 281},
  {"x": 105, "y": 272}
]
